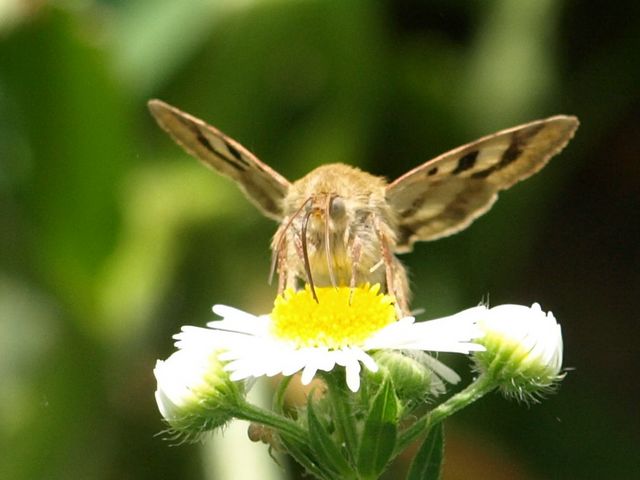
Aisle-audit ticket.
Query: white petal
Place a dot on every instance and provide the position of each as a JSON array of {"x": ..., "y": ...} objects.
[
  {"x": 441, "y": 369},
  {"x": 367, "y": 361},
  {"x": 294, "y": 362},
  {"x": 353, "y": 374},
  {"x": 225, "y": 311},
  {"x": 307, "y": 374},
  {"x": 449, "y": 334},
  {"x": 165, "y": 405}
]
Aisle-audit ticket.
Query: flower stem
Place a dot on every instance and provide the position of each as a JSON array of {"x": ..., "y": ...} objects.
[
  {"x": 278, "y": 399},
  {"x": 476, "y": 390},
  {"x": 252, "y": 413}
]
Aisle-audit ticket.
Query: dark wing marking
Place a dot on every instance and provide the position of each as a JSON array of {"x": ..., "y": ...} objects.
[
  {"x": 265, "y": 187},
  {"x": 444, "y": 195}
]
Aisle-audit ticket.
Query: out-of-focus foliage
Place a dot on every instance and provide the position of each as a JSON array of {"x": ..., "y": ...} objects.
[{"x": 111, "y": 237}]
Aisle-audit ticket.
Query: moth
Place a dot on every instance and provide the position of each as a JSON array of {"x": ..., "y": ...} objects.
[{"x": 342, "y": 226}]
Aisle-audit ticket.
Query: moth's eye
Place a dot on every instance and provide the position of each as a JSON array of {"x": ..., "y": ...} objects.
[
  {"x": 306, "y": 206},
  {"x": 338, "y": 209}
]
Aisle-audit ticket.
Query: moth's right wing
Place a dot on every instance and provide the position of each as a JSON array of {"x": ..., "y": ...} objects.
[
  {"x": 444, "y": 195},
  {"x": 262, "y": 185}
]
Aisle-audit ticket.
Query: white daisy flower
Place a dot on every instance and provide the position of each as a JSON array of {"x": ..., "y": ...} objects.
[
  {"x": 523, "y": 350},
  {"x": 340, "y": 328}
]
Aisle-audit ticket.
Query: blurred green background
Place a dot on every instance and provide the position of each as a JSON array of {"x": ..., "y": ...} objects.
[{"x": 112, "y": 238}]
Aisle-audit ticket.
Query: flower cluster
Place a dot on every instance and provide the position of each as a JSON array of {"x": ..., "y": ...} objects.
[{"x": 202, "y": 385}]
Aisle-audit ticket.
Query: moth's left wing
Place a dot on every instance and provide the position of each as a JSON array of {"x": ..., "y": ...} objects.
[
  {"x": 262, "y": 185},
  {"x": 444, "y": 195}
]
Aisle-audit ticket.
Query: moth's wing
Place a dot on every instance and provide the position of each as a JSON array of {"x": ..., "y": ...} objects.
[
  {"x": 444, "y": 195},
  {"x": 265, "y": 187}
]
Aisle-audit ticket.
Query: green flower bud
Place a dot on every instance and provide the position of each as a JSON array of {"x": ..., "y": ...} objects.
[
  {"x": 194, "y": 393},
  {"x": 412, "y": 378},
  {"x": 523, "y": 350}
]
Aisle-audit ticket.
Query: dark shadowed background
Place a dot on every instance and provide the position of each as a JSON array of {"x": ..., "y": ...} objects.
[{"x": 112, "y": 238}]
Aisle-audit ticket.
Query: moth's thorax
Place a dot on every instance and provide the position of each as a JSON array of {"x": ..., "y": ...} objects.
[{"x": 338, "y": 211}]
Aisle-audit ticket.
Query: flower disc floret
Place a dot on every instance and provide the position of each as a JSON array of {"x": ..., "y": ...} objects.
[{"x": 340, "y": 317}]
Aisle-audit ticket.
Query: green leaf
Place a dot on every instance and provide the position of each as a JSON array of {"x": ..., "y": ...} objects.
[
  {"x": 328, "y": 453},
  {"x": 427, "y": 464},
  {"x": 379, "y": 434},
  {"x": 304, "y": 457}
]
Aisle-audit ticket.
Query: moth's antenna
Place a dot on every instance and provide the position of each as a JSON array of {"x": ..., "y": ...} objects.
[
  {"x": 327, "y": 242},
  {"x": 305, "y": 255},
  {"x": 280, "y": 240}
]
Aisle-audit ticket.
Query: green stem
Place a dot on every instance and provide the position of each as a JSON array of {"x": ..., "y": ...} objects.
[
  {"x": 294, "y": 437},
  {"x": 278, "y": 400},
  {"x": 252, "y": 413},
  {"x": 476, "y": 390}
]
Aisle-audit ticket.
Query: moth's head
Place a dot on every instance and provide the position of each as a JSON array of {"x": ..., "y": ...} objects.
[
  {"x": 324, "y": 210},
  {"x": 319, "y": 218},
  {"x": 334, "y": 191}
]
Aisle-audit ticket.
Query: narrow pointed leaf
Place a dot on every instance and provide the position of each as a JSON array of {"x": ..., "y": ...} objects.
[
  {"x": 328, "y": 453},
  {"x": 427, "y": 464},
  {"x": 379, "y": 434},
  {"x": 304, "y": 457}
]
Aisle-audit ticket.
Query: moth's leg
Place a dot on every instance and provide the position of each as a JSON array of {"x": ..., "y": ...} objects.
[
  {"x": 356, "y": 253},
  {"x": 294, "y": 274},
  {"x": 401, "y": 286},
  {"x": 394, "y": 271},
  {"x": 386, "y": 255},
  {"x": 282, "y": 271},
  {"x": 280, "y": 250},
  {"x": 286, "y": 276}
]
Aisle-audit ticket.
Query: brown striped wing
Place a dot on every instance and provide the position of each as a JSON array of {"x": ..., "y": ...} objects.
[
  {"x": 445, "y": 194},
  {"x": 262, "y": 185}
]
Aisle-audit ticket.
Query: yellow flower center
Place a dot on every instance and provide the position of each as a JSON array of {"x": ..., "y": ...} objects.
[{"x": 341, "y": 317}]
